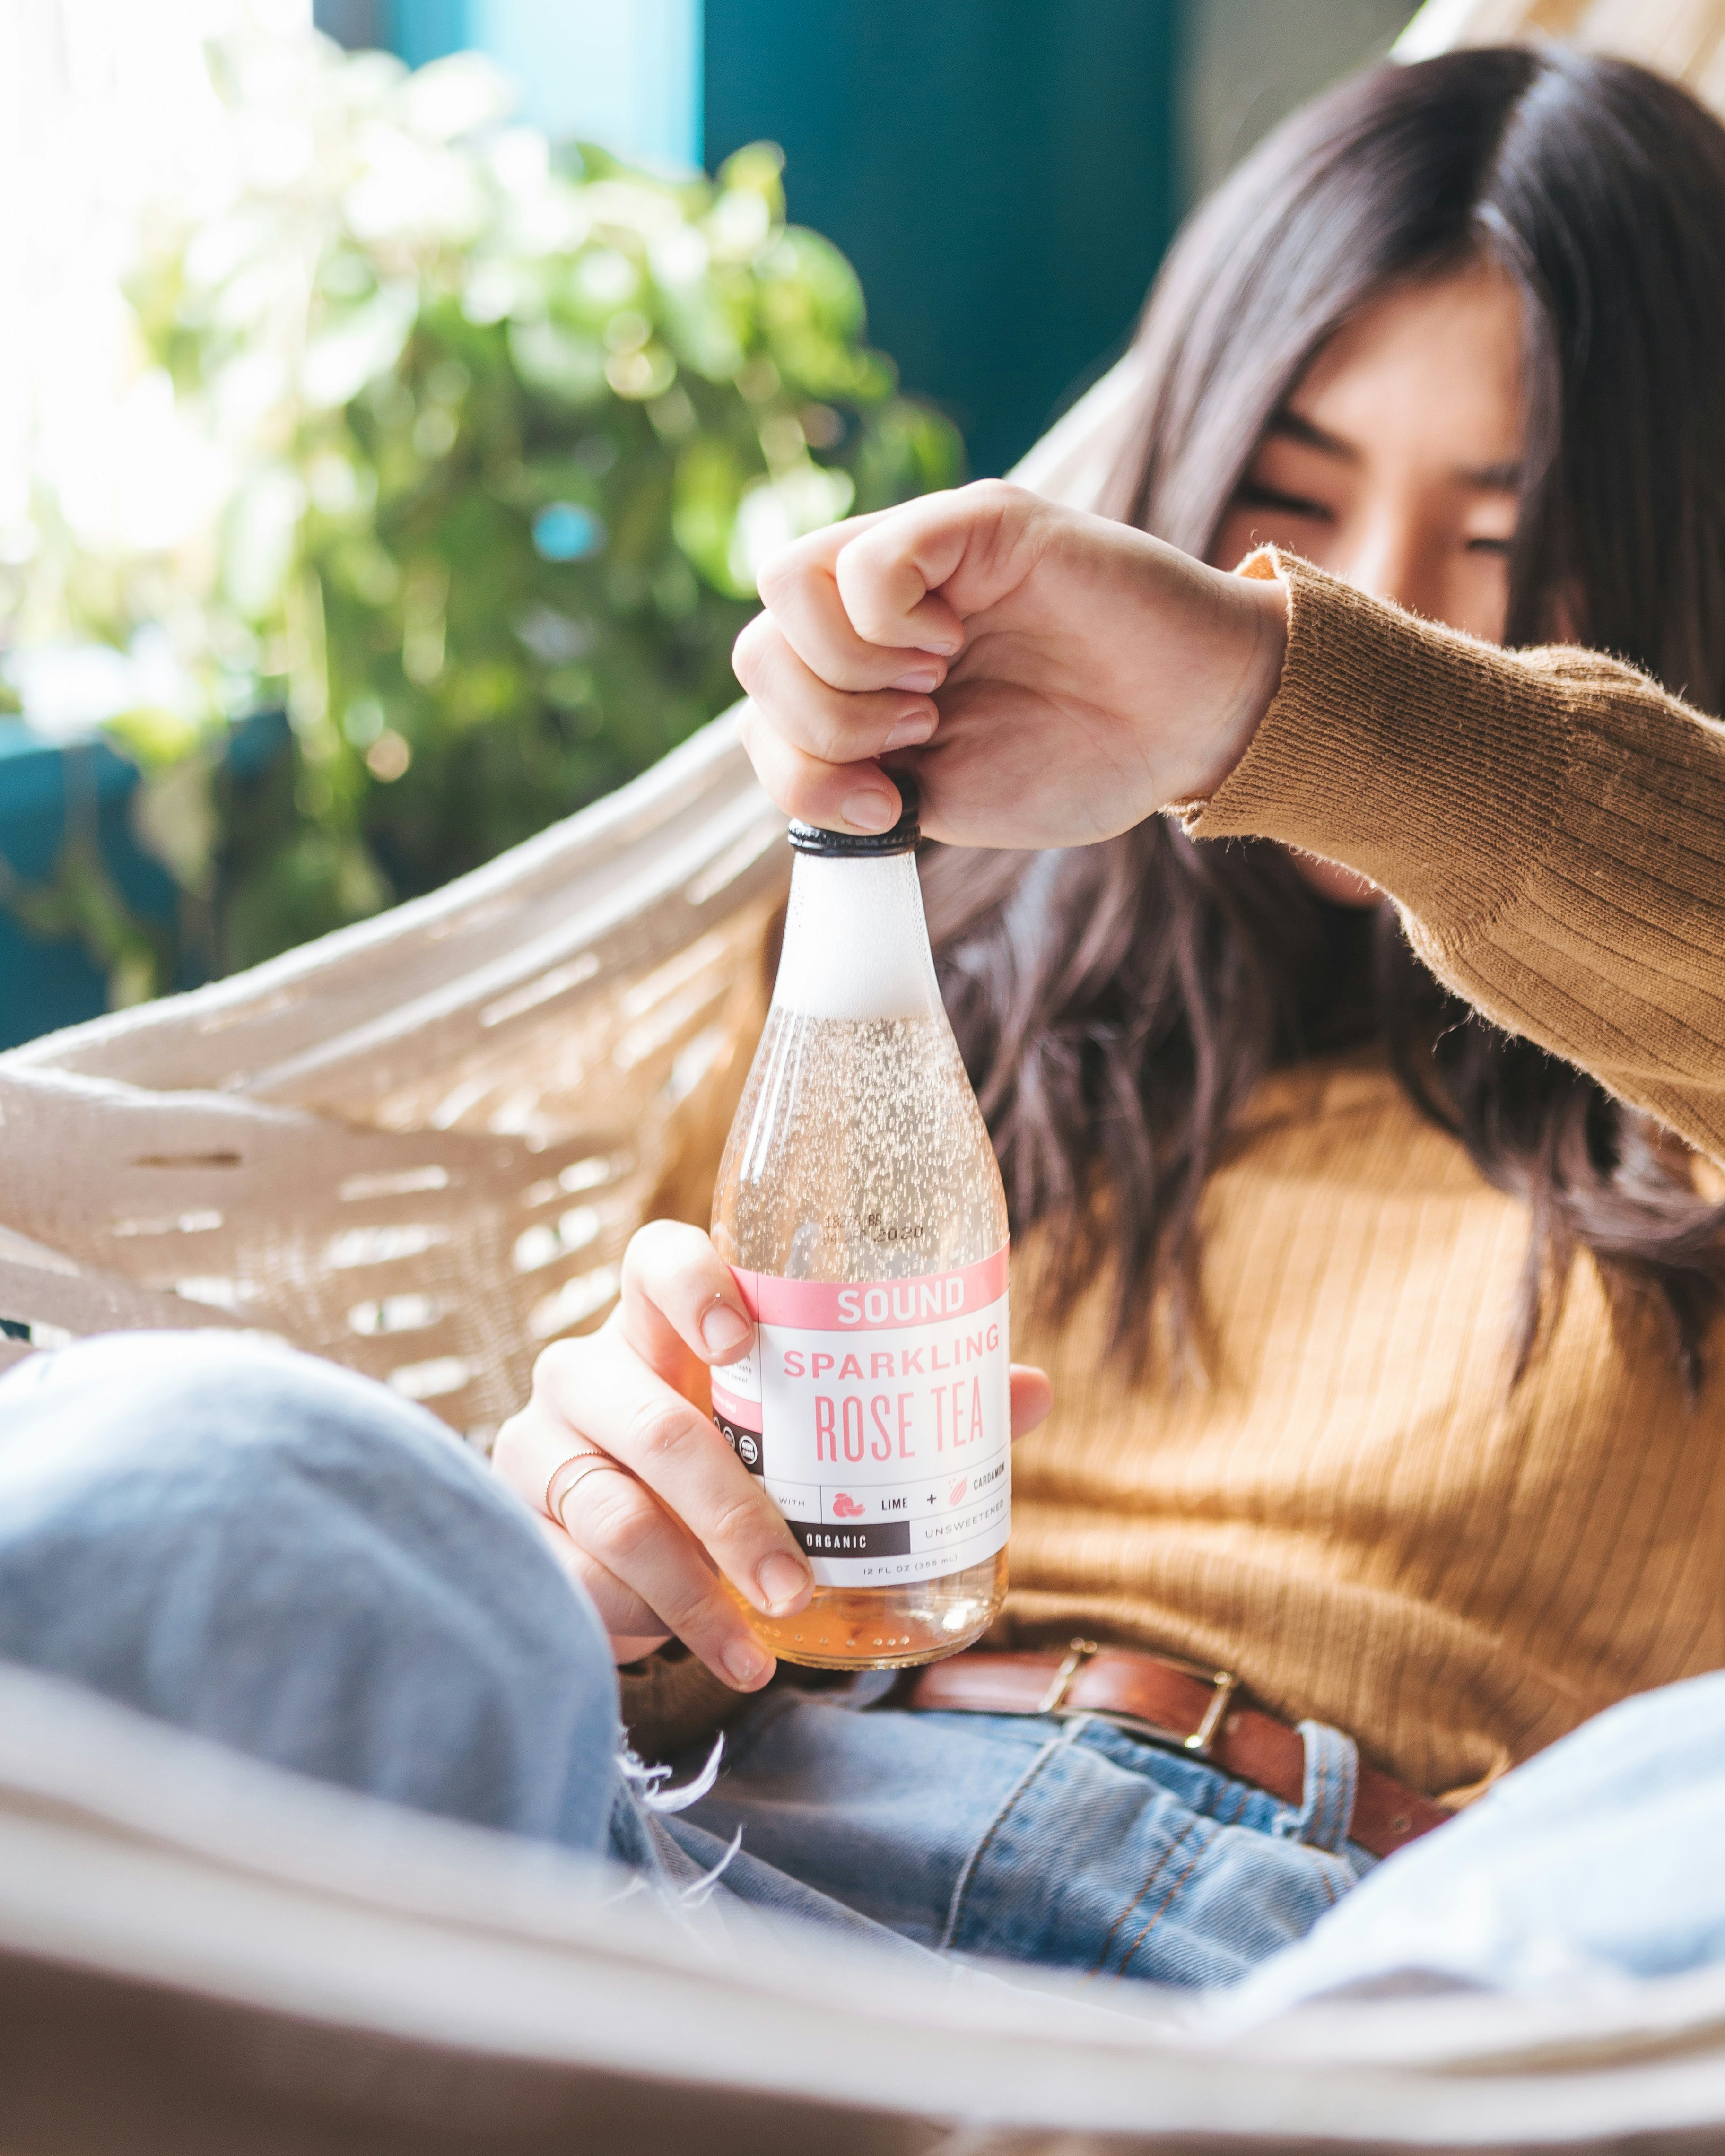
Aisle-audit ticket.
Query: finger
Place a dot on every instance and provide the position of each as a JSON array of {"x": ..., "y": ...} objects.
[
  {"x": 615, "y": 1519},
  {"x": 680, "y": 1303},
  {"x": 837, "y": 725},
  {"x": 888, "y": 581},
  {"x": 1032, "y": 1399},
  {"x": 916, "y": 575},
  {"x": 633, "y": 1630},
  {"x": 815, "y": 552},
  {"x": 804, "y": 603},
  {"x": 600, "y": 1388},
  {"x": 836, "y": 797}
]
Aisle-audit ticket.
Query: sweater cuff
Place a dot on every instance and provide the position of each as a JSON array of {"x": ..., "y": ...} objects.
[{"x": 1423, "y": 759}]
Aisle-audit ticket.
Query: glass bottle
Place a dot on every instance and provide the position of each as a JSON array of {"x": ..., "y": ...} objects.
[{"x": 859, "y": 1205}]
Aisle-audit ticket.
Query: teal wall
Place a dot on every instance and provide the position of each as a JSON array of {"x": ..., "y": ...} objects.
[
  {"x": 624, "y": 73},
  {"x": 45, "y": 981},
  {"x": 84, "y": 792},
  {"x": 1002, "y": 172},
  {"x": 611, "y": 73}
]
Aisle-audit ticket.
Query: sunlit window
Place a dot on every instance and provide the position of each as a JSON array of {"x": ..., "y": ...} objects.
[{"x": 105, "y": 105}]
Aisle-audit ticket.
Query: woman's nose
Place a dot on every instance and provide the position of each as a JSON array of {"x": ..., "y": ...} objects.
[{"x": 1389, "y": 559}]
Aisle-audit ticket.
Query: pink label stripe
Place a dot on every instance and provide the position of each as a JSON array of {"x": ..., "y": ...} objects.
[
  {"x": 740, "y": 1414},
  {"x": 873, "y": 1306}
]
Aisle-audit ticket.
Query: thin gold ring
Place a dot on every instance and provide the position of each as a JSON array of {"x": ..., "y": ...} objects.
[{"x": 557, "y": 1489}]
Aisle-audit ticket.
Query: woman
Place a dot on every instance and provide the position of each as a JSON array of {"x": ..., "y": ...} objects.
[
  {"x": 1389, "y": 1389},
  {"x": 1391, "y": 1395}
]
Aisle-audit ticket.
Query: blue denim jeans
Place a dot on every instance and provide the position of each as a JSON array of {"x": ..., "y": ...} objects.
[
  {"x": 1070, "y": 1845},
  {"x": 279, "y": 1555}
]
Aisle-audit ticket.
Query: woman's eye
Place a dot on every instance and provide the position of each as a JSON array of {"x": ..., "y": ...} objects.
[
  {"x": 1255, "y": 495},
  {"x": 1502, "y": 547}
]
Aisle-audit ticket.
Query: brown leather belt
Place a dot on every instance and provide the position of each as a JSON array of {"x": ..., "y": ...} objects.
[{"x": 1195, "y": 1711}]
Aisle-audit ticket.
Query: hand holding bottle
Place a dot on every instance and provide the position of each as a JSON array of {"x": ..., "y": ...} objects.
[
  {"x": 665, "y": 1507},
  {"x": 1051, "y": 677}
]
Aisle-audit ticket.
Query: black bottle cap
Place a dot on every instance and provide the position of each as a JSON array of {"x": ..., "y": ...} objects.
[{"x": 904, "y": 838}]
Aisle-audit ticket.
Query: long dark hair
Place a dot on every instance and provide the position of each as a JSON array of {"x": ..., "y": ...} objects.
[{"x": 1115, "y": 1003}]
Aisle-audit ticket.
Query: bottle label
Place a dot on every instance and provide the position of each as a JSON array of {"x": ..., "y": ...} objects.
[{"x": 877, "y": 1415}]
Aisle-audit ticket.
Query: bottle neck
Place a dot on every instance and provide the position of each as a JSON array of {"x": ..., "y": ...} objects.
[{"x": 856, "y": 941}]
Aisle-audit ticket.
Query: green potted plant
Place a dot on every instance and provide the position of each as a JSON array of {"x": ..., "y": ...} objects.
[{"x": 500, "y": 436}]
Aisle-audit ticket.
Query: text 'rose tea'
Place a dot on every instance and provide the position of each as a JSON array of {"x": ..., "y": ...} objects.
[{"x": 861, "y": 1209}]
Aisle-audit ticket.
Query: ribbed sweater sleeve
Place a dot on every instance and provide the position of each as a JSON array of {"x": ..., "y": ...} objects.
[{"x": 1550, "y": 822}]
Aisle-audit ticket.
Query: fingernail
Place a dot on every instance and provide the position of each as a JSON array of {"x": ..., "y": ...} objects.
[
  {"x": 748, "y": 1665},
  {"x": 920, "y": 678},
  {"x": 869, "y": 811},
  {"x": 723, "y": 1332},
  {"x": 910, "y": 731},
  {"x": 782, "y": 1578},
  {"x": 940, "y": 650}
]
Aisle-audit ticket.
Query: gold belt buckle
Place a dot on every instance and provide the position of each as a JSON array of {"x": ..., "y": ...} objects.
[
  {"x": 1223, "y": 1684},
  {"x": 1077, "y": 1655},
  {"x": 1226, "y": 1685}
]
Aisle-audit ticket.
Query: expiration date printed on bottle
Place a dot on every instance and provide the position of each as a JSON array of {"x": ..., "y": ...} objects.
[{"x": 878, "y": 1415}]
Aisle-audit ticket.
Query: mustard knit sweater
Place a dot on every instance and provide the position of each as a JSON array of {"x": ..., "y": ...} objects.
[{"x": 1358, "y": 1513}]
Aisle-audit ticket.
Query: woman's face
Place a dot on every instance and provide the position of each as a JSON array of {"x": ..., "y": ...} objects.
[{"x": 1394, "y": 466}]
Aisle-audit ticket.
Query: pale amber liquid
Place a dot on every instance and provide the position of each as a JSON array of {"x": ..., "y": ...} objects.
[
  {"x": 885, "y": 1628},
  {"x": 859, "y": 1154}
]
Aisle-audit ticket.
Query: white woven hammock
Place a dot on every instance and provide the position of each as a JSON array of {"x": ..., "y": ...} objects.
[{"x": 418, "y": 1147}]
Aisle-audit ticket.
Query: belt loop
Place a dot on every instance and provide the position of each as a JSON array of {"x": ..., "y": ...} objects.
[{"x": 1331, "y": 1776}]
